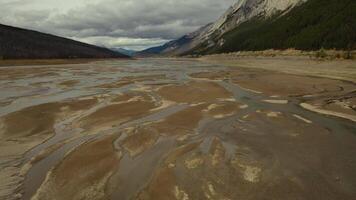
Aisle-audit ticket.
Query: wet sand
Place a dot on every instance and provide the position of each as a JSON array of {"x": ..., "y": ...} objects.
[
  {"x": 297, "y": 65},
  {"x": 176, "y": 129},
  {"x": 83, "y": 173},
  {"x": 193, "y": 92},
  {"x": 34, "y": 62}
]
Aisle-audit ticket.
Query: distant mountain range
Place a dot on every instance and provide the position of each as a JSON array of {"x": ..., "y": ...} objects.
[
  {"x": 124, "y": 51},
  {"x": 272, "y": 24},
  {"x": 176, "y": 47},
  {"x": 17, "y": 43}
]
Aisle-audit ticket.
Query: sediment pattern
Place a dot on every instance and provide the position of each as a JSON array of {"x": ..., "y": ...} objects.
[{"x": 174, "y": 129}]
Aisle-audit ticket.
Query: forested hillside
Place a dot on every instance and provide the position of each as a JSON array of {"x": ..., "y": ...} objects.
[
  {"x": 316, "y": 24},
  {"x": 17, "y": 43}
]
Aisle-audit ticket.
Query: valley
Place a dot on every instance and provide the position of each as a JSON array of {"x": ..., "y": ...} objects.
[
  {"x": 178, "y": 100},
  {"x": 178, "y": 128}
]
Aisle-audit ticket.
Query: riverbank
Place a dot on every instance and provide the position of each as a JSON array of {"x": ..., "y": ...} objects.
[
  {"x": 173, "y": 128},
  {"x": 342, "y": 69},
  {"x": 30, "y": 62},
  {"x": 321, "y": 54},
  {"x": 327, "y": 85}
]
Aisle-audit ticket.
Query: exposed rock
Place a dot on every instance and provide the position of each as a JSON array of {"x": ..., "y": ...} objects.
[{"x": 240, "y": 12}]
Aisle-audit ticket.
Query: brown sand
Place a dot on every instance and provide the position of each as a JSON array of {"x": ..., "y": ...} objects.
[
  {"x": 335, "y": 69},
  {"x": 260, "y": 154},
  {"x": 39, "y": 120},
  {"x": 161, "y": 186},
  {"x": 69, "y": 83},
  {"x": 335, "y": 96},
  {"x": 130, "y": 80},
  {"x": 24, "y": 62},
  {"x": 23, "y": 72},
  {"x": 343, "y": 105},
  {"x": 194, "y": 92},
  {"x": 25, "y": 129},
  {"x": 181, "y": 123},
  {"x": 83, "y": 173},
  {"x": 174, "y": 155},
  {"x": 288, "y": 85},
  {"x": 116, "y": 84},
  {"x": 116, "y": 114},
  {"x": 220, "y": 75},
  {"x": 332, "y": 111},
  {"x": 140, "y": 140},
  {"x": 35, "y": 120},
  {"x": 224, "y": 109},
  {"x": 217, "y": 152},
  {"x": 145, "y": 78},
  {"x": 123, "y": 97},
  {"x": 46, "y": 152}
]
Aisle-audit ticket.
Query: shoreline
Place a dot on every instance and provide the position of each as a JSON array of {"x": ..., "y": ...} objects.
[
  {"x": 321, "y": 55},
  {"x": 315, "y": 109},
  {"x": 338, "y": 69},
  {"x": 306, "y": 68},
  {"x": 41, "y": 62},
  {"x": 216, "y": 105}
]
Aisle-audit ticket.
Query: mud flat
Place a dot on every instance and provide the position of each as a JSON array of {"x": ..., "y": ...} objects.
[
  {"x": 193, "y": 92},
  {"x": 332, "y": 96},
  {"x": 108, "y": 116},
  {"x": 182, "y": 129},
  {"x": 25, "y": 129},
  {"x": 335, "y": 69},
  {"x": 328, "y": 112},
  {"x": 34, "y": 62},
  {"x": 325, "y": 96},
  {"x": 95, "y": 161}
]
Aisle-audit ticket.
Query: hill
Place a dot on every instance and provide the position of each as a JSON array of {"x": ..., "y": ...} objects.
[{"x": 17, "y": 43}]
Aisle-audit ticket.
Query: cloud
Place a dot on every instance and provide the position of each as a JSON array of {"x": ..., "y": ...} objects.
[
  {"x": 123, "y": 42},
  {"x": 140, "y": 23}
]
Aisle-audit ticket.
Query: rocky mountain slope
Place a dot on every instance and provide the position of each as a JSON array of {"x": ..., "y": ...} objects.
[
  {"x": 245, "y": 10},
  {"x": 17, "y": 43},
  {"x": 179, "y": 46},
  {"x": 277, "y": 24}
]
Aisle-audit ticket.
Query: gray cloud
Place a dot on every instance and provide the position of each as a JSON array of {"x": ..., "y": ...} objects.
[{"x": 110, "y": 22}]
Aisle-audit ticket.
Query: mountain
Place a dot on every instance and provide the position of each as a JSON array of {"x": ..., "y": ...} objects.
[
  {"x": 124, "y": 51},
  {"x": 309, "y": 25},
  {"x": 153, "y": 50},
  {"x": 278, "y": 24},
  {"x": 17, "y": 43},
  {"x": 178, "y": 46}
]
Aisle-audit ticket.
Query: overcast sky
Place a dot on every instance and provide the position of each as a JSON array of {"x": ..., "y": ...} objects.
[{"x": 132, "y": 24}]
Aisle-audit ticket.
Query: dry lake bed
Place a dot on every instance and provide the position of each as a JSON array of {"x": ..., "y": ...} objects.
[{"x": 182, "y": 129}]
